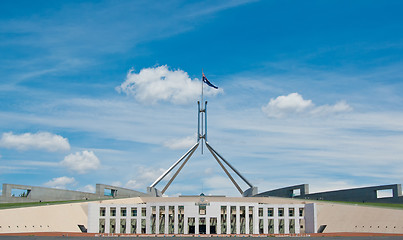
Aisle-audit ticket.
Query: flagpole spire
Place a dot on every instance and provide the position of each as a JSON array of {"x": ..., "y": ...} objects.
[
  {"x": 202, "y": 139},
  {"x": 202, "y": 110}
]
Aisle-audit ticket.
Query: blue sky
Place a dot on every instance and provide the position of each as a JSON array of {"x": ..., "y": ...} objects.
[{"x": 105, "y": 92}]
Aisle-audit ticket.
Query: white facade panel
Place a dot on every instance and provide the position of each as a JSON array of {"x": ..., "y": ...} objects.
[{"x": 208, "y": 213}]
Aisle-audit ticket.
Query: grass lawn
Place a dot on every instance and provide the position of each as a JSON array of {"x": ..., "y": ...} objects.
[{"x": 34, "y": 204}]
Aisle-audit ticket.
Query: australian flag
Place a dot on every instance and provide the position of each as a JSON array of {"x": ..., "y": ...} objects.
[{"x": 208, "y": 82}]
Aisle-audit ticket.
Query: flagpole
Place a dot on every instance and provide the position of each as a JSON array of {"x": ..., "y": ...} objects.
[{"x": 202, "y": 109}]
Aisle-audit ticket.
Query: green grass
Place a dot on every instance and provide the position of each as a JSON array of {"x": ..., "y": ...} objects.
[{"x": 35, "y": 204}]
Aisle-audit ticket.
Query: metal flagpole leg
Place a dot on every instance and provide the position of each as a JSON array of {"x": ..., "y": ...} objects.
[
  {"x": 198, "y": 121},
  {"x": 173, "y": 166},
  {"x": 205, "y": 122},
  {"x": 177, "y": 172},
  {"x": 225, "y": 170},
  {"x": 240, "y": 175}
]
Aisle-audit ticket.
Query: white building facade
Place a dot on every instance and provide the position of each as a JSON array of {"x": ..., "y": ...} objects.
[{"x": 201, "y": 217}]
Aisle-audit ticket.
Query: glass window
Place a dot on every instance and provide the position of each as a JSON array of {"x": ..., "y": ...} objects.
[
  {"x": 123, "y": 212},
  {"x": 143, "y": 212},
  {"x": 202, "y": 210},
  {"x": 260, "y": 212},
  {"x": 134, "y": 212},
  {"x": 270, "y": 212},
  {"x": 301, "y": 212},
  {"x": 102, "y": 212},
  {"x": 281, "y": 212},
  {"x": 291, "y": 212},
  {"x": 113, "y": 211}
]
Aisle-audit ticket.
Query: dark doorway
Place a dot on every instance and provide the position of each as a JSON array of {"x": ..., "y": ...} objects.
[
  {"x": 213, "y": 230},
  {"x": 191, "y": 229},
  {"x": 202, "y": 229}
]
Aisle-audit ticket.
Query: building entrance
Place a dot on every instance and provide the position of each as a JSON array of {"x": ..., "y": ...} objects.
[{"x": 202, "y": 229}]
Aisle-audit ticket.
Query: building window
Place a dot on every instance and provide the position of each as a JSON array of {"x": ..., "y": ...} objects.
[
  {"x": 113, "y": 212},
  {"x": 134, "y": 212},
  {"x": 133, "y": 228},
  {"x": 143, "y": 226},
  {"x": 102, "y": 212},
  {"x": 251, "y": 220},
  {"x": 112, "y": 226},
  {"x": 281, "y": 226},
  {"x": 162, "y": 219},
  {"x": 291, "y": 212},
  {"x": 271, "y": 226},
  {"x": 101, "y": 225},
  {"x": 191, "y": 226},
  {"x": 260, "y": 226},
  {"x": 223, "y": 219},
  {"x": 270, "y": 212},
  {"x": 122, "y": 225},
  {"x": 143, "y": 212},
  {"x": 202, "y": 225},
  {"x": 123, "y": 212},
  {"x": 181, "y": 219},
  {"x": 242, "y": 220},
  {"x": 171, "y": 216},
  {"x": 202, "y": 210},
  {"x": 281, "y": 212},
  {"x": 301, "y": 212},
  {"x": 260, "y": 212},
  {"x": 233, "y": 220}
]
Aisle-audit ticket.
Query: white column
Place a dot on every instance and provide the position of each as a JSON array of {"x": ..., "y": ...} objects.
[
  {"x": 219, "y": 222},
  {"x": 247, "y": 219},
  {"x": 275, "y": 209},
  {"x": 286, "y": 221},
  {"x": 185, "y": 224},
  {"x": 138, "y": 221},
  {"x": 228, "y": 219},
  {"x": 196, "y": 225},
  {"x": 265, "y": 221},
  {"x": 117, "y": 226},
  {"x": 256, "y": 219},
  {"x": 126, "y": 218},
  {"x": 238, "y": 219},
  {"x": 207, "y": 225},
  {"x": 176, "y": 219},
  {"x": 148, "y": 219},
  {"x": 107, "y": 218},
  {"x": 166, "y": 219}
]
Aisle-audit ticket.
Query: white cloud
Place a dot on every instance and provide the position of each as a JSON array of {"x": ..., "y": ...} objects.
[
  {"x": 294, "y": 104},
  {"x": 339, "y": 107},
  {"x": 144, "y": 177},
  {"x": 41, "y": 140},
  {"x": 133, "y": 184},
  {"x": 81, "y": 162},
  {"x": 151, "y": 85},
  {"x": 87, "y": 188},
  {"x": 61, "y": 182},
  {"x": 181, "y": 143}
]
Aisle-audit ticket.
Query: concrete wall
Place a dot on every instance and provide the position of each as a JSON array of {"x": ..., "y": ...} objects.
[
  {"x": 286, "y": 192},
  {"x": 118, "y": 191},
  {"x": 42, "y": 194},
  {"x": 365, "y": 194}
]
